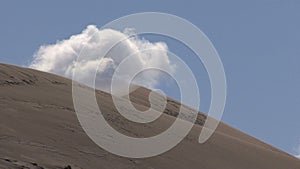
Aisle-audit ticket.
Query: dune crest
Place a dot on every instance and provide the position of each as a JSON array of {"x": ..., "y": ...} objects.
[{"x": 39, "y": 129}]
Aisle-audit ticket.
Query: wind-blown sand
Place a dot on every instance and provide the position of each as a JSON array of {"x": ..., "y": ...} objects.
[{"x": 39, "y": 129}]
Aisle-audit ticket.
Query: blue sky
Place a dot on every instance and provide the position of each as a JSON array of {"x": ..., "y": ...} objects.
[{"x": 258, "y": 42}]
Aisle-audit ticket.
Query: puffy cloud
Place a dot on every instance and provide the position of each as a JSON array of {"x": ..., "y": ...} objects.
[{"x": 61, "y": 58}]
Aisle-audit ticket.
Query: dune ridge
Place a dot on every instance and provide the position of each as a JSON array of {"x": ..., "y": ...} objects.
[{"x": 39, "y": 129}]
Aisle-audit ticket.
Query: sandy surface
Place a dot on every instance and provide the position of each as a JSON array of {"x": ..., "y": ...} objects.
[{"x": 39, "y": 129}]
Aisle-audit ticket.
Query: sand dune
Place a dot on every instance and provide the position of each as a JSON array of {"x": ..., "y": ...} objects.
[{"x": 39, "y": 129}]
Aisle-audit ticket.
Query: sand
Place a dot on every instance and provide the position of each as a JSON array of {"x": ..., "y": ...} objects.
[{"x": 39, "y": 129}]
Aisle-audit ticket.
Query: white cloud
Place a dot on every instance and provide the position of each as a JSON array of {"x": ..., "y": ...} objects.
[{"x": 60, "y": 58}]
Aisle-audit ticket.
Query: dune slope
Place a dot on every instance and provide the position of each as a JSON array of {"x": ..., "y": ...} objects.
[{"x": 39, "y": 129}]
